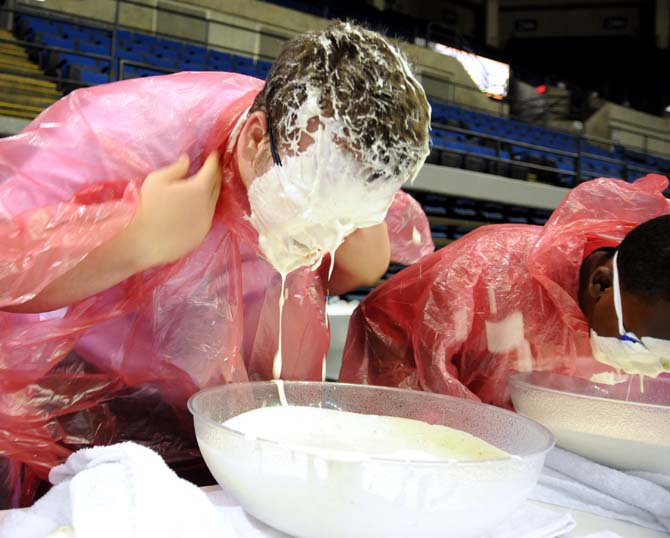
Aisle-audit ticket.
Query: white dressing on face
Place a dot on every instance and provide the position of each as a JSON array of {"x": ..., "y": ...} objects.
[
  {"x": 650, "y": 357},
  {"x": 305, "y": 208}
]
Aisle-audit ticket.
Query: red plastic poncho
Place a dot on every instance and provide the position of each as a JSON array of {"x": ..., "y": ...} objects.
[
  {"x": 121, "y": 365},
  {"x": 502, "y": 299}
]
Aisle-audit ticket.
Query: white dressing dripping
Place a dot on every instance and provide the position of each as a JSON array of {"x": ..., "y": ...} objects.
[{"x": 278, "y": 361}]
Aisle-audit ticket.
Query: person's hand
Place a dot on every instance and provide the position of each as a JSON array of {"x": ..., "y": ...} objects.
[{"x": 175, "y": 212}]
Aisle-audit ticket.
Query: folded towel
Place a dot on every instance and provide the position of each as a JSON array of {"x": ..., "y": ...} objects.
[
  {"x": 572, "y": 481},
  {"x": 120, "y": 490}
]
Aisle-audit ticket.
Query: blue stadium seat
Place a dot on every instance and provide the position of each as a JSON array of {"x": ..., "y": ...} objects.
[
  {"x": 135, "y": 72},
  {"x": 464, "y": 209},
  {"x": 540, "y": 216},
  {"x": 39, "y": 24},
  {"x": 459, "y": 231},
  {"x": 492, "y": 213},
  {"x": 263, "y": 68},
  {"x": 481, "y": 150},
  {"x": 454, "y": 144},
  {"x": 75, "y": 32},
  {"x": 84, "y": 61},
  {"x": 192, "y": 64},
  {"x": 163, "y": 61},
  {"x": 93, "y": 77},
  {"x": 194, "y": 51},
  {"x": 56, "y": 40},
  {"x": 438, "y": 210},
  {"x": 94, "y": 47},
  {"x": 517, "y": 215},
  {"x": 144, "y": 41},
  {"x": 98, "y": 34},
  {"x": 136, "y": 55},
  {"x": 246, "y": 66},
  {"x": 168, "y": 45}
]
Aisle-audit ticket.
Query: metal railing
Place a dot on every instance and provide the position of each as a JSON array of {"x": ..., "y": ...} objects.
[
  {"x": 578, "y": 173},
  {"x": 646, "y": 137}
]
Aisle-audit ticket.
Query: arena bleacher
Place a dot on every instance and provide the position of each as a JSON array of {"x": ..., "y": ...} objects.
[{"x": 79, "y": 53}]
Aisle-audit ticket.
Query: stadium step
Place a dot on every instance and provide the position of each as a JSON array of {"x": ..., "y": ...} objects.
[{"x": 24, "y": 90}]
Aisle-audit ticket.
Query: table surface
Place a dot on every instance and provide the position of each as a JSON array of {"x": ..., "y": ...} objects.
[{"x": 590, "y": 523}]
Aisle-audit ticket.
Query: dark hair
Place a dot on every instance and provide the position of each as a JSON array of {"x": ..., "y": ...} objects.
[
  {"x": 644, "y": 260},
  {"x": 345, "y": 61}
]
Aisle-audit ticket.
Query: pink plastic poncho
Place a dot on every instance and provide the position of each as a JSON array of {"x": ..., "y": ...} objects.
[
  {"x": 122, "y": 364},
  {"x": 502, "y": 299}
]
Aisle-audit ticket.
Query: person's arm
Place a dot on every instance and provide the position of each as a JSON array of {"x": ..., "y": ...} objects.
[
  {"x": 173, "y": 217},
  {"x": 361, "y": 260}
]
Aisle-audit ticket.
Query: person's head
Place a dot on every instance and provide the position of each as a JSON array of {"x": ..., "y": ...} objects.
[
  {"x": 350, "y": 124},
  {"x": 643, "y": 263}
]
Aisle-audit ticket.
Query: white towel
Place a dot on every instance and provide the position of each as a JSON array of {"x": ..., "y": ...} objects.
[
  {"x": 529, "y": 521},
  {"x": 572, "y": 481},
  {"x": 120, "y": 490}
]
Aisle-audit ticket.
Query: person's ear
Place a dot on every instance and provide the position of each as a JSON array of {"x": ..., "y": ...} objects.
[
  {"x": 599, "y": 281},
  {"x": 253, "y": 133}
]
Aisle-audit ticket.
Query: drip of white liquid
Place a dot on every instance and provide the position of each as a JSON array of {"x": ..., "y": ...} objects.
[
  {"x": 330, "y": 274},
  {"x": 281, "y": 392},
  {"x": 323, "y": 364},
  {"x": 332, "y": 265},
  {"x": 277, "y": 362}
]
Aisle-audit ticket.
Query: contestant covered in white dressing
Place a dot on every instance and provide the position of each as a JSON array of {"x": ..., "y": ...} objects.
[
  {"x": 128, "y": 283},
  {"x": 593, "y": 283}
]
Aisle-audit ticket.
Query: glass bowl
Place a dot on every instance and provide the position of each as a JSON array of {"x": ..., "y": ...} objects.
[
  {"x": 625, "y": 426},
  {"x": 308, "y": 495}
]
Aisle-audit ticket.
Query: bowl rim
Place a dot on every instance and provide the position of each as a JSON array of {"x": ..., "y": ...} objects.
[
  {"x": 549, "y": 441},
  {"x": 521, "y": 379}
]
